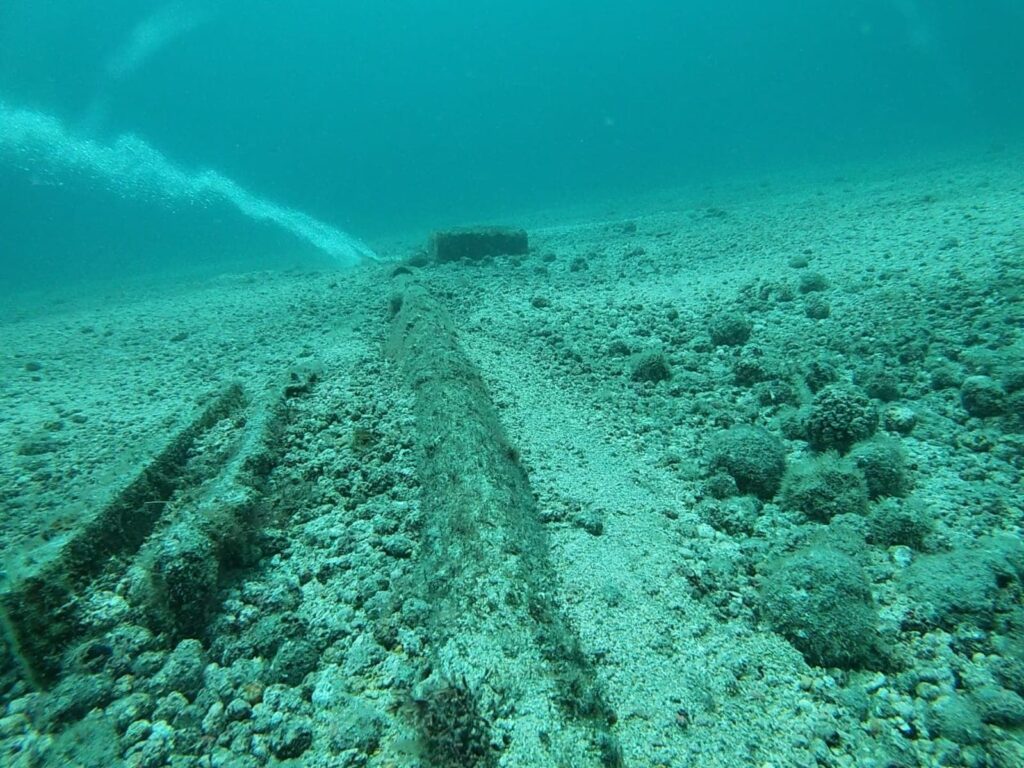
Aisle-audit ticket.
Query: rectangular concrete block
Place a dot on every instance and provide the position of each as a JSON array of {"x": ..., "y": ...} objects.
[{"x": 474, "y": 243}]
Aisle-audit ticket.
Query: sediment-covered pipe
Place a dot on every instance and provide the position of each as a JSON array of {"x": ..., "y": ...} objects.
[
  {"x": 216, "y": 530},
  {"x": 38, "y": 609},
  {"x": 484, "y": 567}
]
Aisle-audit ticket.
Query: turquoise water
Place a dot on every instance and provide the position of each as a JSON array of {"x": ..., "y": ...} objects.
[
  {"x": 511, "y": 385},
  {"x": 385, "y": 117}
]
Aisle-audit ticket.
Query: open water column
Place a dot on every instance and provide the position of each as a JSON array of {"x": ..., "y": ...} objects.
[{"x": 128, "y": 166}]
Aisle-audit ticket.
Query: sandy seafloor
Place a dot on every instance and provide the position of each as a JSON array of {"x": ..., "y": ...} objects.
[{"x": 902, "y": 289}]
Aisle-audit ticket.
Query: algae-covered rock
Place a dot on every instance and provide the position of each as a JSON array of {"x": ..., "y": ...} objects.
[
  {"x": 840, "y": 416},
  {"x": 823, "y": 487},
  {"x": 982, "y": 396},
  {"x": 883, "y": 462},
  {"x": 650, "y": 365},
  {"x": 752, "y": 456},
  {"x": 955, "y": 717},
  {"x": 965, "y": 585},
  {"x": 729, "y": 329},
  {"x": 999, "y": 706},
  {"x": 900, "y": 522},
  {"x": 820, "y": 600}
]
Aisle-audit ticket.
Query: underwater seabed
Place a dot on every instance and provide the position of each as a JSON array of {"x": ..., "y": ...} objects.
[{"x": 729, "y": 481}]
